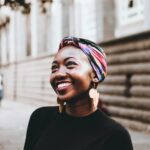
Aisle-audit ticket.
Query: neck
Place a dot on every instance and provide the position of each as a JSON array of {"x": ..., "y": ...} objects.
[{"x": 80, "y": 108}]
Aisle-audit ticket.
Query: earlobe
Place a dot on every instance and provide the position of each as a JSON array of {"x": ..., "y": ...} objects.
[
  {"x": 95, "y": 80},
  {"x": 94, "y": 77}
]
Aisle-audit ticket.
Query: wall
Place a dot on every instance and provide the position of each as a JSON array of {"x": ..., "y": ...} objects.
[
  {"x": 28, "y": 81},
  {"x": 126, "y": 90}
]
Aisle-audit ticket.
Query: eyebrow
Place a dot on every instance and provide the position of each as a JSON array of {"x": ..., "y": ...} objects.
[{"x": 55, "y": 62}]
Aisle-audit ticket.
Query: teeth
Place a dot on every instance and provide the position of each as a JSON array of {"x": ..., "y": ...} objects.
[{"x": 63, "y": 85}]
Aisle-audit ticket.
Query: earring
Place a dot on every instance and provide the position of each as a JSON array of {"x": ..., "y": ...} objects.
[
  {"x": 61, "y": 105},
  {"x": 93, "y": 93}
]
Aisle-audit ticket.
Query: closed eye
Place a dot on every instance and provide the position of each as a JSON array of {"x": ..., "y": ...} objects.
[
  {"x": 54, "y": 68},
  {"x": 71, "y": 64}
]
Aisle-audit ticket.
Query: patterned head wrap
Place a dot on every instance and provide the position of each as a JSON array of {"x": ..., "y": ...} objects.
[{"x": 95, "y": 54}]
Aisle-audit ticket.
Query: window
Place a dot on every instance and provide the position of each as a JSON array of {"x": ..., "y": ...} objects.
[
  {"x": 131, "y": 4},
  {"x": 130, "y": 17},
  {"x": 129, "y": 11}
]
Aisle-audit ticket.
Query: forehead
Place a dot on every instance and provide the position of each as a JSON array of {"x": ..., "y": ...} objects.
[{"x": 71, "y": 51}]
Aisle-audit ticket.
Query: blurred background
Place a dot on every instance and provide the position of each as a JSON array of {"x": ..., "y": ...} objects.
[{"x": 30, "y": 31}]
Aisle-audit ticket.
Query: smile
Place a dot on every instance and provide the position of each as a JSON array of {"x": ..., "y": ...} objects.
[{"x": 63, "y": 86}]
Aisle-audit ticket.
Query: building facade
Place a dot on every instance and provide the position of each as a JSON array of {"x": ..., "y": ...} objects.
[{"x": 29, "y": 37}]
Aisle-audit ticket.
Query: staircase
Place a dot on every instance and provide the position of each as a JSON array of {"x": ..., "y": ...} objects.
[{"x": 126, "y": 89}]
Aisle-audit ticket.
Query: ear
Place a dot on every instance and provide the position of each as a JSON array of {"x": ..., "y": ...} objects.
[
  {"x": 95, "y": 80},
  {"x": 94, "y": 77}
]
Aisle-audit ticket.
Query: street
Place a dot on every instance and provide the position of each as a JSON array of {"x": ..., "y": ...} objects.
[{"x": 14, "y": 118}]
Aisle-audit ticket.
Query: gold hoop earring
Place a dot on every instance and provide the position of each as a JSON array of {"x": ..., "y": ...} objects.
[
  {"x": 94, "y": 95},
  {"x": 61, "y": 105}
]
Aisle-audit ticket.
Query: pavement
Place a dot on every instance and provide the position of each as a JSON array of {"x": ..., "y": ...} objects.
[{"x": 14, "y": 117}]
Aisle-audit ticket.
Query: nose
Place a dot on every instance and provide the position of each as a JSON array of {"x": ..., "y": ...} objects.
[{"x": 61, "y": 72}]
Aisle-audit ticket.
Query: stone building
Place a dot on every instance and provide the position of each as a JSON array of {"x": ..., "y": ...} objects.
[{"x": 31, "y": 30}]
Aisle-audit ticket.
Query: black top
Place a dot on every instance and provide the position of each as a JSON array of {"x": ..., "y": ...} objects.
[{"x": 50, "y": 130}]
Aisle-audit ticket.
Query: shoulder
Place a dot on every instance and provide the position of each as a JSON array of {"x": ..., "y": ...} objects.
[
  {"x": 39, "y": 120},
  {"x": 120, "y": 139},
  {"x": 43, "y": 113},
  {"x": 118, "y": 136},
  {"x": 44, "y": 110},
  {"x": 111, "y": 125},
  {"x": 113, "y": 128},
  {"x": 119, "y": 131},
  {"x": 116, "y": 126}
]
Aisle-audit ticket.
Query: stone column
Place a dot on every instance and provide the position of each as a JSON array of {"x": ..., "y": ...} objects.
[
  {"x": 20, "y": 35},
  {"x": 4, "y": 45},
  {"x": 42, "y": 31},
  {"x": 86, "y": 19},
  {"x": 12, "y": 37},
  {"x": 34, "y": 28},
  {"x": 48, "y": 31},
  {"x": 99, "y": 20},
  {"x": 109, "y": 19},
  {"x": 146, "y": 13},
  {"x": 65, "y": 15},
  {"x": 56, "y": 25},
  {"x": 7, "y": 39}
]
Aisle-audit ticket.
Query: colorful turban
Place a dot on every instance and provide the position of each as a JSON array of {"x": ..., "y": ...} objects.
[{"x": 95, "y": 54}]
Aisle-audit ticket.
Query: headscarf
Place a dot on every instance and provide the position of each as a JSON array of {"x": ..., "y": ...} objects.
[{"x": 94, "y": 52}]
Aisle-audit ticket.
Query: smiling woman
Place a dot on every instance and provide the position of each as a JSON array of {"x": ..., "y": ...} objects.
[
  {"x": 71, "y": 74},
  {"x": 77, "y": 123}
]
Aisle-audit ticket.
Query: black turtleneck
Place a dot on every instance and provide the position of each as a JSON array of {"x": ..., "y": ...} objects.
[{"x": 50, "y": 130}]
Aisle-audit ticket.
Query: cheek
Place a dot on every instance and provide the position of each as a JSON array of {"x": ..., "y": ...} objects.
[
  {"x": 82, "y": 79},
  {"x": 51, "y": 80}
]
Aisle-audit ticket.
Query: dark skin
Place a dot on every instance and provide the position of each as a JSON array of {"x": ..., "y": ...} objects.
[{"x": 72, "y": 77}]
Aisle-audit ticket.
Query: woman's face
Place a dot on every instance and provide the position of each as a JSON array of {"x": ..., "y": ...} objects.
[{"x": 71, "y": 73}]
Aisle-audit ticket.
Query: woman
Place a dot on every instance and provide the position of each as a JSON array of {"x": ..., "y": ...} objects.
[{"x": 77, "y": 124}]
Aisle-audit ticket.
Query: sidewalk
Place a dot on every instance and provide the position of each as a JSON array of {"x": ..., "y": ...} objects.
[
  {"x": 13, "y": 123},
  {"x": 14, "y": 118}
]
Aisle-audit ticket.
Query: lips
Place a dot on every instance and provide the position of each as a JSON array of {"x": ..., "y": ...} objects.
[{"x": 61, "y": 86}]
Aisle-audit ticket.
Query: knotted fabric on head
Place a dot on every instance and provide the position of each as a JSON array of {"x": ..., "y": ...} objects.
[{"x": 94, "y": 52}]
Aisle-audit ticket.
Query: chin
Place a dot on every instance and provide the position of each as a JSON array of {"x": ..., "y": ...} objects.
[{"x": 65, "y": 98}]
